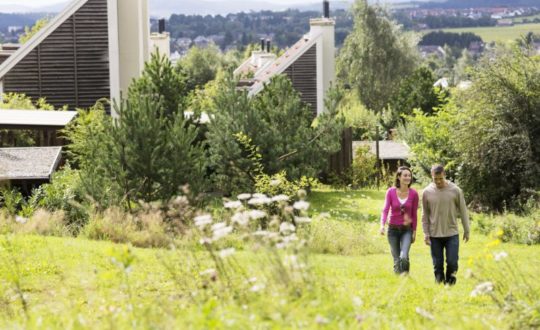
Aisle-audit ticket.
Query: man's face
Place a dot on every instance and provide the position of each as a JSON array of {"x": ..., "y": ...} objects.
[{"x": 439, "y": 179}]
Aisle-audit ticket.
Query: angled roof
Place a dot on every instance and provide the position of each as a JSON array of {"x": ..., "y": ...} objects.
[
  {"x": 27, "y": 47},
  {"x": 387, "y": 149},
  {"x": 283, "y": 62},
  {"x": 35, "y": 118},
  {"x": 29, "y": 163}
]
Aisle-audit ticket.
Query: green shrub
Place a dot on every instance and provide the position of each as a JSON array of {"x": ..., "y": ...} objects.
[
  {"x": 11, "y": 199},
  {"x": 512, "y": 227},
  {"x": 278, "y": 184},
  {"x": 65, "y": 193},
  {"x": 364, "y": 170}
]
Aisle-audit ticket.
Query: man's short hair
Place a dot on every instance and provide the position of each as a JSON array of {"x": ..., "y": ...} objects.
[{"x": 437, "y": 169}]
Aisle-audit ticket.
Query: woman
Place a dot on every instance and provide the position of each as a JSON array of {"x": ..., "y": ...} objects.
[{"x": 402, "y": 202}]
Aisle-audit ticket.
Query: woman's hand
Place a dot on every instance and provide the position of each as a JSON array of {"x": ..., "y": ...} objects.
[
  {"x": 382, "y": 230},
  {"x": 413, "y": 236}
]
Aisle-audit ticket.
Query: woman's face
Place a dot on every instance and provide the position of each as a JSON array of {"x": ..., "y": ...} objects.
[{"x": 405, "y": 178}]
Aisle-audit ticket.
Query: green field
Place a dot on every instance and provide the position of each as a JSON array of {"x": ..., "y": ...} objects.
[
  {"x": 500, "y": 34},
  {"x": 520, "y": 19},
  {"x": 73, "y": 283}
]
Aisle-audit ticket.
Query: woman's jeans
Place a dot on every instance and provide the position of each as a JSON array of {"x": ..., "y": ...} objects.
[
  {"x": 438, "y": 246},
  {"x": 400, "y": 239}
]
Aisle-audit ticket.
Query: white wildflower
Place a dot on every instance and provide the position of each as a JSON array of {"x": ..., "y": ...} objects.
[
  {"x": 301, "y": 205},
  {"x": 226, "y": 253},
  {"x": 243, "y": 197},
  {"x": 260, "y": 200},
  {"x": 21, "y": 220},
  {"x": 424, "y": 313},
  {"x": 482, "y": 288},
  {"x": 275, "y": 182},
  {"x": 280, "y": 198},
  {"x": 203, "y": 220},
  {"x": 218, "y": 226},
  {"x": 209, "y": 272},
  {"x": 233, "y": 205},
  {"x": 257, "y": 288},
  {"x": 500, "y": 256},
  {"x": 286, "y": 228},
  {"x": 259, "y": 195},
  {"x": 261, "y": 233},
  {"x": 257, "y": 214},
  {"x": 357, "y": 301},
  {"x": 220, "y": 231},
  {"x": 241, "y": 218},
  {"x": 302, "y": 220},
  {"x": 321, "y": 320}
]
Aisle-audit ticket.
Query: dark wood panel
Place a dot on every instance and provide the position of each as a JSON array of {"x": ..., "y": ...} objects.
[
  {"x": 71, "y": 66},
  {"x": 303, "y": 74}
]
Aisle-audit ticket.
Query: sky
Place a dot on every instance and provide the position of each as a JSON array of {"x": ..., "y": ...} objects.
[{"x": 41, "y": 3}]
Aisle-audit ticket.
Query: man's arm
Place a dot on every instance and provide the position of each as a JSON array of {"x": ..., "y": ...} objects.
[
  {"x": 464, "y": 216},
  {"x": 425, "y": 218}
]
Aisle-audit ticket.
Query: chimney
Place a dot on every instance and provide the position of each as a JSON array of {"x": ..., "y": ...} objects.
[
  {"x": 324, "y": 30},
  {"x": 268, "y": 45},
  {"x": 262, "y": 44},
  {"x": 326, "y": 9},
  {"x": 161, "y": 27}
]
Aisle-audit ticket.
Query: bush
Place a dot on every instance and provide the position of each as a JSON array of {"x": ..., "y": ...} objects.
[
  {"x": 364, "y": 168},
  {"x": 511, "y": 227},
  {"x": 274, "y": 124}
]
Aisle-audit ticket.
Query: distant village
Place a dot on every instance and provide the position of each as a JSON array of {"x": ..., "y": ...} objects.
[{"x": 180, "y": 43}]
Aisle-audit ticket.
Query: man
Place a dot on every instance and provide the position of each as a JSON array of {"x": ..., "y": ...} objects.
[{"x": 442, "y": 201}]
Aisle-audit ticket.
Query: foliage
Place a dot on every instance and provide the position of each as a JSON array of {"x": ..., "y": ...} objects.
[
  {"x": 441, "y": 38},
  {"x": 278, "y": 127},
  {"x": 416, "y": 92},
  {"x": 375, "y": 56},
  {"x": 164, "y": 82},
  {"x": 432, "y": 140},
  {"x": 200, "y": 65},
  {"x": 30, "y": 32},
  {"x": 125, "y": 161},
  {"x": 364, "y": 170},
  {"x": 497, "y": 136},
  {"x": 11, "y": 200},
  {"x": 278, "y": 184},
  {"x": 362, "y": 120},
  {"x": 65, "y": 192},
  {"x": 524, "y": 229}
]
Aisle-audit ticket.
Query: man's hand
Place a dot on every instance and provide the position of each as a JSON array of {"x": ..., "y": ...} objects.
[
  {"x": 427, "y": 240},
  {"x": 382, "y": 230},
  {"x": 413, "y": 236},
  {"x": 465, "y": 237}
]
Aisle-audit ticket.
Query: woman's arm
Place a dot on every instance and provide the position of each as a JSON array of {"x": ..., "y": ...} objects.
[{"x": 386, "y": 209}]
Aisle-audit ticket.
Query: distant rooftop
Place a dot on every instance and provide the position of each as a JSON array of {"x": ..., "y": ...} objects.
[
  {"x": 387, "y": 149},
  {"x": 35, "y": 118},
  {"x": 29, "y": 163}
]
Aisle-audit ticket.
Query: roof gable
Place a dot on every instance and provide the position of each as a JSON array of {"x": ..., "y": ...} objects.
[{"x": 31, "y": 44}]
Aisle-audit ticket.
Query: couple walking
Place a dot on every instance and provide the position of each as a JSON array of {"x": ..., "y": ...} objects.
[{"x": 442, "y": 202}]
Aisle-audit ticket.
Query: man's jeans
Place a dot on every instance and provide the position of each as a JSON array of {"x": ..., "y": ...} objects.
[
  {"x": 451, "y": 245},
  {"x": 400, "y": 244}
]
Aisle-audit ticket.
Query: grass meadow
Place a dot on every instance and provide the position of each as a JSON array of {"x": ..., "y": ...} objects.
[
  {"x": 344, "y": 281},
  {"x": 499, "y": 33}
]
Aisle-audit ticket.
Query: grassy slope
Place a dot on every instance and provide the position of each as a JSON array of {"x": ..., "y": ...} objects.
[
  {"x": 499, "y": 33},
  {"x": 73, "y": 283}
]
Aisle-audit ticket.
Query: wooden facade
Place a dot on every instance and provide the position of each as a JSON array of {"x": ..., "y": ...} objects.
[
  {"x": 303, "y": 74},
  {"x": 71, "y": 65}
]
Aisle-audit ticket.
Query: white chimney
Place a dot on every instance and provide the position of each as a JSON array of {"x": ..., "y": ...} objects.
[
  {"x": 323, "y": 29},
  {"x": 129, "y": 33}
]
